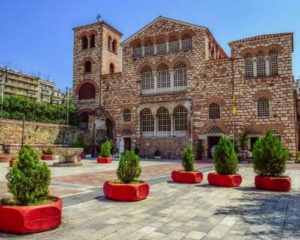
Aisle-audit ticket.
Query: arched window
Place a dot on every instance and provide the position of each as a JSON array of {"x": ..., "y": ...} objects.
[
  {"x": 149, "y": 48},
  {"x": 147, "y": 121},
  {"x": 214, "y": 111},
  {"x": 87, "y": 67},
  {"x": 263, "y": 107},
  {"x": 114, "y": 46},
  {"x": 187, "y": 42},
  {"x": 181, "y": 118},
  {"x": 111, "y": 68},
  {"x": 126, "y": 115},
  {"x": 147, "y": 79},
  {"x": 273, "y": 55},
  {"x": 92, "y": 41},
  {"x": 87, "y": 91},
  {"x": 163, "y": 76},
  {"x": 161, "y": 46},
  {"x": 248, "y": 66},
  {"x": 137, "y": 50},
  {"x": 173, "y": 44},
  {"x": 109, "y": 42},
  {"x": 261, "y": 64},
  {"x": 214, "y": 130},
  {"x": 163, "y": 120},
  {"x": 84, "y": 42},
  {"x": 180, "y": 75}
]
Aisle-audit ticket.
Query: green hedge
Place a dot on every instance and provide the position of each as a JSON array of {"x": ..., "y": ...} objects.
[{"x": 17, "y": 107}]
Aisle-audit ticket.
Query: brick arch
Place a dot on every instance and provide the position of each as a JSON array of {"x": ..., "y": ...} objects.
[
  {"x": 276, "y": 47},
  {"x": 204, "y": 129},
  {"x": 263, "y": 93},
  {"x": 84, "y": 60},
  {"x": 187, "y": 32},
  {"x": 174, "y": 34},
  {"x": 160, "y": 37},
  {"x": 181, "y": 59},
  {"x": 163, "y": 61},
  {"x": 145, "y": 64},
  {"x": 92, "y": 32},
  {"x": 127, "y": 132},
  {"x": 135, "y": 42},
  {"x": 261, "y": 49},
  {"x": 83, "y": 34},
  {"x": 217, "y": 100},
  {"x": 148, "y": 39},
  {"x": 87, "y": 81},
  {"x": 88, "y": 110}
]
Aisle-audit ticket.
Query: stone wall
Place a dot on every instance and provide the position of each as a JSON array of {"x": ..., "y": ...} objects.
[{"x": 35, "y": 134}]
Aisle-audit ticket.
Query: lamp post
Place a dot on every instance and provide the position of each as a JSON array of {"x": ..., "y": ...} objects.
[{"x": 23, "y": 128}]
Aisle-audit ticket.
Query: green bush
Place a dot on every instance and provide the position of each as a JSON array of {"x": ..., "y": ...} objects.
[
  {"x": 129, "y": 169},
  {"x": 105, "y": 149},
  {"x": 269, "y": 156},
  {"x": 188, "y": 159},
  {"x": 225, "y": 157},
  {"x": 29, "y": 179},
  {"x": 48, "y": 151},
  {"x": 19, "y": 107}
]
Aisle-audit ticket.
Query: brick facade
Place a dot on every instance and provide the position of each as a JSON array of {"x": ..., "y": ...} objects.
[{"x": 212, "y": 78}]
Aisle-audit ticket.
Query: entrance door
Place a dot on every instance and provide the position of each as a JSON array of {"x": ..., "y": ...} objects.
[
  {"x": 211, "y": 142},
  {"x": 127, "y": 143},
  {"x": 252, "y": 142}
]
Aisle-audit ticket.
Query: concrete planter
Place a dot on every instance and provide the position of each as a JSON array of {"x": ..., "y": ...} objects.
[
  {"x": 30, "y": 219},
  {"x": 234, "y": 180},
  {"x": 186, "y": 177},
  {"x": 280, "y": 184},
  {"x": 126, "y": 192}
]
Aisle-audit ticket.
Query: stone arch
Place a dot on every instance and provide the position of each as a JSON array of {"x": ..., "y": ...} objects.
[
  {"x": 214, "y": 130},
  {"x": 127, "y": 132},
  {"x": 87, "y": 91},
  {"x": 145, "y": 64},
  {"x": 163, "y": 61},
  {"x": 84, "y": 60},
  {"x": 216, "y": 100},
  {"x": 181, "y": 60},
  {"x": 262, "y": 94},
  {"x": 87, "y": 81}
]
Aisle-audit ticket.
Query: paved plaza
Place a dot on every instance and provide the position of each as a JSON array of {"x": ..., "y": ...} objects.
[{"x": 172, "y": 211}]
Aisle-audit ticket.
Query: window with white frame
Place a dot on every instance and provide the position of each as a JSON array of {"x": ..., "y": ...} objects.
[
  {"x": 249, "y": 66},
  {"x": 163, "y": 76},
  {"x": 161, "y": 46},
  {"x": 181, "y": 118},
  {"x": 174, "y": 44},
  {"x": 137, "y": 50},
  {"x": 149, "y": 48},
  {"x": 180, "y": 75},
  {"x": 126, "y": 115},
  {"x": 147, "y": 79},
  {"x": 214, "y": 111},
  {"x": 163, "y": 120},
  {"x": 273, "y": 55},
  {"x": 187, "y": 42},
  {"x": 261, "y": 64},
  {"x": 147, "y": 121},
  {"x": 263, "y": 107}
]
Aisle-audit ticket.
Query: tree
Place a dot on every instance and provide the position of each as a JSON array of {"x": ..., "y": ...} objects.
[
  {"x": 129, "y": 169},
  {"x": 188, "y": 159}
]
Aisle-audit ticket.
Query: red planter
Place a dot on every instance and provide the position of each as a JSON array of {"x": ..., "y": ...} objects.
[
  {"x": 224, "y": 180},
  {"x": 186, "y": 177},
  {"x": 104, "y": 160},
  {"x": 282, "y": 183},
  {"x": 30, "y": 219},
  {"x": 47, "y": 157},
  {"x": 126, "y": 192}
]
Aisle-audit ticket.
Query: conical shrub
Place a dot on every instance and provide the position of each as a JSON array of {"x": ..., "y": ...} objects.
[
  {"x": 188, "y": 159},
  {"x": 225, "y": 157},
  {"x": 129, "y": 169},
  {"x": 105, "y": 149}
]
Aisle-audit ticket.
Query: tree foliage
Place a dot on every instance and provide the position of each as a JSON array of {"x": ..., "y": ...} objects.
[
  {"x": 129, "y": 169},
  {"x": 19, "y": 107},
  {"x": 269, "y": 156},
  {"x": 188, "y": 159},
  {"x": 29, "y": 178},
  {"x": 105, "y": 149},
  {"x": 225, "y": 157}
]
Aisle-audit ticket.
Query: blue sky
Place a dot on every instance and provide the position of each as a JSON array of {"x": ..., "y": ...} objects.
[{"x": 36, "y": 35}]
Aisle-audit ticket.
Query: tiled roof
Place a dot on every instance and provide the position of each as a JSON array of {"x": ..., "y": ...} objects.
[{"x": 260, "y": 37}]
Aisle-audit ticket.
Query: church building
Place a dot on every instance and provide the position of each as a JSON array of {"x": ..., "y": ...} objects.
[{"x": 171, "y": 84}]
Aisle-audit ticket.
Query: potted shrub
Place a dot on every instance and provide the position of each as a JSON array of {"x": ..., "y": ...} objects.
[
  {"x": 157, "y": 154},
  {"x": 47, "y": 154},
  {"x": 31, "y": 209},
  {"x": 269, "y": 161},
  {"x": 226, "y": 165},
  {"x": 188, "y": 175},
  {"x": 105, "y": 156},
  {"x": 13, "y": 160},
  {"x": 127, "y": 187}
]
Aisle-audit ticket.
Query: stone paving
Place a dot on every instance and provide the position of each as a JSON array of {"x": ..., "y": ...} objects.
[{"x": 178, "y": 211}]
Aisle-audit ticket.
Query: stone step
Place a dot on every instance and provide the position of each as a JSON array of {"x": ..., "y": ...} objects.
[{"x": 4, "y": 157}]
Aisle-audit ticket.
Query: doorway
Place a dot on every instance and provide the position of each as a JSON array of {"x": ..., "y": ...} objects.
[
  {"x": 211, "y": 142},
  {"x": 252, "y": 142},
  {"x": 127, "y": 144}
]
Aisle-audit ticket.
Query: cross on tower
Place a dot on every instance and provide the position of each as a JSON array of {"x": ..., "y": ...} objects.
[{"x": 98, "y": 17}]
